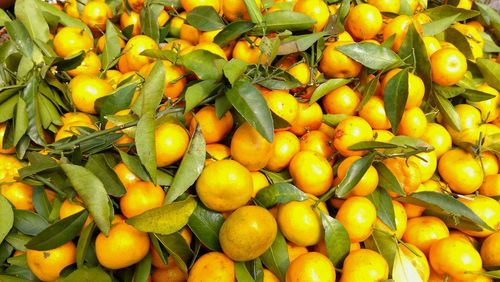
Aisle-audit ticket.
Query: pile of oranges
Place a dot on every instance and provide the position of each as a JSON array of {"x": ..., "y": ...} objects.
[{"x": 337, "y": 142}]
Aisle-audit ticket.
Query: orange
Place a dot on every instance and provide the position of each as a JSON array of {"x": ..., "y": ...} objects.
[
  {"x": 301, "y": 72},
  {"x": 309, "y": 117},
  {"x": 427, "y": 164},
  {"x": 311, "y": 172},
  {"x": 189, "y": 33},
  {"x": 259, "y": 181},
  {"x": 438, "y": 137},
  {"x": 213, "y": 128},
  {"x": 85, "y": 90},
  {"x": 283, "y": 104},
  {"x": 189, "y": 5},
  {"x": 295, "y": 251},
  {"x": 224, "y": 185},
  {"x": 364, "y": 21},
  {"x": 140, "y": 197},
  {"x": 311, "y": 266},
  {"x": 172, "y": 273},
  {"x": 334, "y": 64},
  {"x": 342, "y": 100},
  {"x": 300, "y": 223},
  {"x": 177, "y": 45},
  {"x": 286, "y": 145},
  {"x": 368, "y": 182},
  {"x": 461, "y": 171},
  {"x": 406, "y": 172},
  {"x": 124, "y": 139},
  {"x": 269, "y": 276},
  {"x": 209, "y": 36},
  {"x": 95, "y": 14},
  {"x": 136, "y": 5},
  {"x": 317, "y": 141},
  {"x": 424, "y": 231},
  {"x": 247, "y": 233},
  {"x": 249, "y": 148},
  {"x": 124, "y": 246},
  {"x": 249, "y": 53},
  {"x": 91, "y": 65},
  {"x": 467, "y": 238},
  {"x": 71, "y": 117},
  {"x": 374, "y": 113},
  {"x": 357, "y": 215},
  {"x": 364, "y": 265},
  {"x": 390, "y": 6},
  {"x": 212, "y": 48},
  {"x": 236, "y": 9},
  {"x": 70, "y": 207},
  {"x": 216, "y": 152},
  {"x": 489, "y": 108},
  {"x": 417, "y": 259},
  {"x": 212, "y": 266},
  {"x": 71, "y": 40},
  {"x": 382, "y": 135},
  {"x": 398, "y": 27},
  {"x": 132, "y": 18},
  {"x": 465, "y": 258},
  {"x": 328, "y": 130},
  {"x": 448, "y": 66},
  {"x": 71, "y": 9},
  {"x": 350, "y": 131},
  {"x": 416, "y": 88},
  {"x": 431, "y": 44},
  {"x": 316, "y": 10},
  {"x": 19, "y": 194},
  {"x": 70, "y": 129},
  {"x": 174, "y": 78},
  {"x": 487, "y": 209},
  {"x": 400, "y": 218},
  {"x": 9, "y": 166},
  {"x": 11, "y": 150},
  {"x": 470, "y": 119},
  {"x": 132, "y": 60},
  {"x": 413, "y": 123},
  {"x": 171, "y": 142},
  {"x": 490, "y": 250},
  {"x": 47, "y": 265},
  {"x": 490, "y": 186},
  {"x": 126, "y": 176}
]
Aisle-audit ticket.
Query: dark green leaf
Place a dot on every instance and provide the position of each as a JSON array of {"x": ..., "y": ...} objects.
[
  {"x": 198, "y": 92},
  {"x": 149, "y": 20},
  {"x": 204, "y": 18},
  {"x": 7, "y": 216},
  {"x": 143, "y": 269},
  {"x": 327, "y": 87},
  {"x": 334, "y": 119},
  {"x": 276, "y": 257},
  {"x": 459, "y": 40},
  {"x": 41, "y": 202},
  {"x": 111, "y": 51},
  {"x": 368, "y": 90},
  {"x": 204, "y": 64},
  {"x": 256, "y": 269},
  {"x": 354, "y": 174},
  {"x": 145, "y": 143},
  {"x": 152, "y": 91},
  {"x": 70, "y": 62},
  {"x": 28, "y": 222},
  {"x": 59, "y": 233},
  {"x": 64, "y": 19},
  {"x": 336, "y": 239},
  {"x": 438, "y": 26},
  {"x": 476, "y": 96},
  {"x": 7, "y": 108},
  {"x": 35, "y": 131},
  {"x": 385, "y": 208},
  {"x": 299, "y": 43},
  {"x": 369, "y": 145},
  {"x": 285, "y": 20},
  {"x": 279, "y": 193},
  {"x": 248, "y": 101},
  {"x": 234, "y": 69},
  {"x": 205, "y": 224},
  {"x": 232, "y": 31},
  {"x": 395, "y": 96},
  {"x": 97, "y": 164},
  {"x": 93, "y": 194},
  {"x": 447, "y": 92},
  {"x": 32, "y": 18},
  {"x": 449, "y": 206},
  {"x": 83, "y": 244},
  {"x": 134, "y": 164},
  {"x": 166, "y": 219},
  {"x": 387, "y": 180},
  {"x": 241, "y": 272},
  {"x": 384, "y": 244},
  {"x": 371, "y": 55},
  {"x": 190, "y": 168},
  {"x": 20, "y": 37},
  {"x": 446, "y": 108},
  {"x": 490, "y": 71},
  {"x": 178, "y": 248},
  {"x": 283, "y": 81},
  {"x": 253, "y": 11},
  {"x": 445, "y": 11},
  {"x": 87, "y": 275},
  {"x": 118, "y": 100},
  {"x": 168, "y": 55}
]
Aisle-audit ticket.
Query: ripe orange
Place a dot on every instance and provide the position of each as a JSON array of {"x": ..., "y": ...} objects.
[
  {"x": 212, "y": 266},
  {"x": 189, "y": 5},
  {"x": 342, "y": 100},
  {"x": 213, "y": 128},
  {"x": 126, "y": 176},
  {"x": 490, "y": 250},
  {"x": 417, "y": 259},
  {"x": 286, "y": 145},
  {"x": 461, "y": 171},
  {"x": 349, "y": 132},
  {"x": 398, "y": 26},
  {"x": 259, "y": 181},
  {"x": 216, "y": 152},
  {"x": 236, "y": 9},
  {"x": 91, "y": 65},
  {"x": 85, "y": 90},
  {"x": 448, "y": 66},
  {"x": 335, "y": 64},
  {"x": 488, "y": 209},
  {"x": 309, "y": 117},
  {"x": 47, "y": 265},
  {"x": 364, "y": 21},
  {"x": 390, "y": 6},
  {"x": 413, "y": 123},
  {"x": 71, "y": 40},
  {"x": 294, "y": 251},
  {"x": 171, "y": 142},
  {"x": 19, "y": 194},
  {"x": 489, "y": 108},
  {"x": 416, "y": 88},
  {"x": 140, "y": 197},
  {"x": 364, "y": 265},
  {"x": 283, "y": 104},
  {"x": 424, "y": 231},
  {"x": 315, "y": 9},
  {"x": 132, "y": 18},
  {"x": 400, "y": 218},
  {"x": 95, "y": 14},
  {"x": 249, "y": 148},
  {"x": 136, "y": 5},
  {"x": 311, "y": 266},
  {"x": 175, "y": 82},
  {"x": 357, "y": 214},
  {"x": 431, "y": 44},
  {"x": 426, "y": 163},
  {"x": 317, "y": 141},
  {"x": 438, "y": 137},
  {"x": 132, "y": 60},
  {"x": 311, "y": 172},
  {"x": 374, "y": 113},
  {"x": 490, "y": 186},
  {"x": 368, "y": 182},
  {"x": 406, "y": 172},
  {"x": 249, "y": 53},
  {"x": 71, "y": 207}
]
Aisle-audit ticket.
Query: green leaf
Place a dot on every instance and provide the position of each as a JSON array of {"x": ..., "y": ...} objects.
[
  {"x": 276, "y": 257},
  {"x": 152, "y": 91},
  {"x": 178, "y": 248},
  {"x": 7, "y": 216},
  {"x": 118, "y": 100},
  {"x": 438, "y": 26},
  {"x": 447, "y": 205},
  {"x": 19, "y": 35},
  {"x": 198, "y": 92},
  {"x": 283, "y": 81},
  {"x": 368, "y": 90},
  {"x": 4, "y": 18},
  {"x": 28, "y": 222},
  {"x": 205, "y": 224},
  {"x": 387, "y": 180},
  {"x": 6, "y": 278},
  {"x": 234, "y": 69},
  {"x": 489, "y": 43},
  {"x": 279, "y": 193},
  {"x": 285, "y": 20},
  {"x": 336, "y": 239},
  {"x": 41, "y": 202},
  {"x": 327, "y": 87},
  {"x": 93, "y": 194},
  {"x": 253, "y": 11},
  {"x": 98, "y": 165},
  {"x": 459, "y": 40},
  {"x": 87, "y": 275},
  {"x": 145, "y": 143},
  {"x": 446, "y": 108},
  {"x": 134, "y": 164},
  {"x": 232, "y": 31},
  {"x": 488, "y": 14},
  {"x": 83, "y": 244},
  {"x": 385, "y": 208},
  {"x": 149, "y": 20},
  {"x": 248, "y": 101},
  {"x": 493, "y": 274},
  {"x": 490, "y": 71},
  {"x": 242, "y": 273},
  {"x": 384, "y": 244},
  {"x": 444, "y": 11},
  {"x": 143, "y": 269},
  {"x": 395, "y": 96},
  {"x": 35, "y": 131},
  {"x": 190, "y": 168},
  {"x": 370, "y": 145},
  {"x": 168, "y": 55},
  {"x": 7, "y": 109},
  {"x": 111, "y": 51},
  {"x": 70, "y": 62},
  {"x": 166, "y": 219},
  {"x": 371, "y": 55},
  {"x": 204, "y": 64},
  {"x": 299, "y": 43},
  {"x": 476, "y": 96},
  {"x": 32, "y": 18},
  {"x": 354, "y": 174},
  {"x": 447, "y": 92},
  {"x": 59, "y": 233},
  {"x": 334, "y": 119},
  {"x": 204, "y": 18}
]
